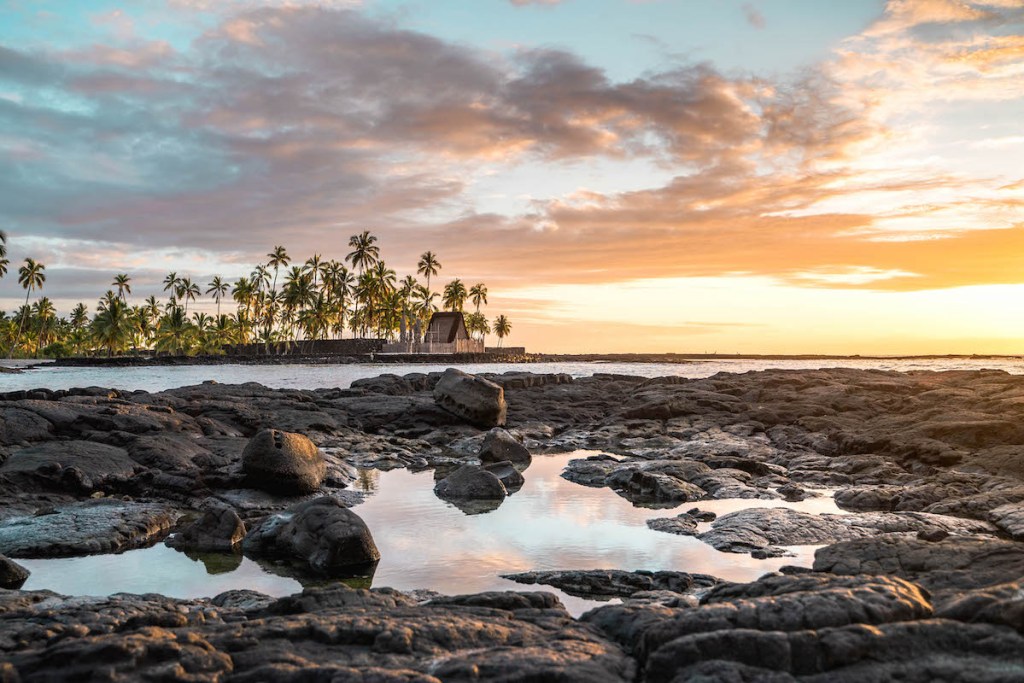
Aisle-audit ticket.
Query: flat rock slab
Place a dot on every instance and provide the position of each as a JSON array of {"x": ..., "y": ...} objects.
[
  {"x": 95, "y": 526},
  {"x": 615, "y": 583},
  {"x": 760, "y": 528},
  {"x": 76, "y": 465}
]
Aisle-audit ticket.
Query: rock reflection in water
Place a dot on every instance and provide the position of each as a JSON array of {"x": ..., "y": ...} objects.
[
  {"x": 157, "y": 569},
  {"x": 551, "y": 523}
]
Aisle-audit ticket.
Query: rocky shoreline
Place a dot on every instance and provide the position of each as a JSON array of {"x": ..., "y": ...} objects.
[{"x": 920, "y": 580}]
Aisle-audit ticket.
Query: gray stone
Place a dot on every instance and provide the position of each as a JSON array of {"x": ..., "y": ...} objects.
[
  {"x": 508, "y": 474},
  {"x": 283, "y": 462},
  {"x": 474, "y": 399},
  {"x": 96, "y": 526},
  {"x": 471, "y": 482},
  {"x": 78, "y": 466},
  {"x": 12, "y": 574},
  {"x": 499, "y": 446},
  {"x": 219, "y": 528},
  {"x": 322, "y": 534}
]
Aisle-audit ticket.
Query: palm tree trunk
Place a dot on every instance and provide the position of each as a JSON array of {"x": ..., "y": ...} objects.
[{"x": 21, "y": 326}]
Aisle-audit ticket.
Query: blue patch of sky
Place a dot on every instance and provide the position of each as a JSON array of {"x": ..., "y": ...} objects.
[{"x": 630, "y": 37}]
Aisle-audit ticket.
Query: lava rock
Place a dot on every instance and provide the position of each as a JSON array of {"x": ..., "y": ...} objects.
[
  {"x": 12, "y": 574},
  {"x": 283, "y": 463},
  {"x": 322, "y": 533},
  {"x": 218, "y": 529},
  {"x": 472, "y": 482},
  {"x": 508, "y": 474},
  {"x": 474, "y": 399},
  {"x": 499, "y": 446}
]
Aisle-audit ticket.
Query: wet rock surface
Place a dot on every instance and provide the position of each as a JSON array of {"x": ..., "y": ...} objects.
[
  {"x": 323, "y": 534},
  {"x": 922, "y": 581}
]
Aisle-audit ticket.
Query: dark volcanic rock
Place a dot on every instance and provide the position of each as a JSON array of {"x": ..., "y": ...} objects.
[
  {"x": 614, "y": 583},
  {"x": 956, "y": 562},
  {"x": 507, "y": 473},
  {"x": 472, "y": 398},
  {"x": 499, "y": 446},
  {"x": 78, "y": 466},
  {"x": 12, "y": 574},
  {"x": 322, "y": 534},
  {"x": 219, "y": 528},
  {"x": 95, "y": 526},
  {"x": 681, "y": 525},
  {"x": 281, "y": 462},
  {"x": 472, "y": 482},
  {"x": 759, "y": 528}
]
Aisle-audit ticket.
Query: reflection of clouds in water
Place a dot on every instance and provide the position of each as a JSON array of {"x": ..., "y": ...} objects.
[
  {"x": 551, "y": 523},
  {"x": 425, "y": 542}
]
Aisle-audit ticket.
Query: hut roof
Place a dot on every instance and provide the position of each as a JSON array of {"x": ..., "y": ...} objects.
[{"x": 444, "y": 327}]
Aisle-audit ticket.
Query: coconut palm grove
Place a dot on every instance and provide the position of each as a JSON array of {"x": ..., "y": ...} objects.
[{"x": 282, "y": 299}]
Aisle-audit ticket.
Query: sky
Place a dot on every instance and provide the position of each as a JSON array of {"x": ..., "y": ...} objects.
[{"x": 760, "y": 176}]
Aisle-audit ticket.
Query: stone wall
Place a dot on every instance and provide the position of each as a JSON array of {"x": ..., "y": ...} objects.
[{"x": 319, "y": 347}]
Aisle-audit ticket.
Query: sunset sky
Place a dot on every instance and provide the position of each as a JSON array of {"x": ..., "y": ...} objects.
[{"x": 761, "y": 176}]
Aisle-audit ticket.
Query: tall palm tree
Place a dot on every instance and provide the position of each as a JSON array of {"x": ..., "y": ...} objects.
[
  {"x": 171, "y": 283},
  {"x": 478, "y": 294},
  {"x": 278, "y": 258},
  {"x": 314, "y": 265},
  {"x": 218, "y": 288},
  {"x": 365, "y": 251},
  {"x": 502, "y": 328},
  {"x": 79, "y": 316},
  {"x": 31, "y": 276},
  {"x": 3, "y": 254},
  {"x": 428, "y": 265},
  {"x": 454, "y": 296},
  {"x": 122, "y": 282},
  {"x": 112, "y": 327},
  {"x": 188, "y": 291},
  {"x": 364, "y": 254}
]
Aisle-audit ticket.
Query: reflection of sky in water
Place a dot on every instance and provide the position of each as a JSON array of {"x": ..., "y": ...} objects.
[
  {"x": 158, "y": 569},
  {"x": 424, "y": 542}
]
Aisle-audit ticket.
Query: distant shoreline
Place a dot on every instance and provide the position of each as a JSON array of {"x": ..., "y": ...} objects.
[{"x": 458, "y": 359}]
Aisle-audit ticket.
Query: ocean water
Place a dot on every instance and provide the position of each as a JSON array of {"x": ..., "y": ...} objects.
[{"x": 159, "y": 378}]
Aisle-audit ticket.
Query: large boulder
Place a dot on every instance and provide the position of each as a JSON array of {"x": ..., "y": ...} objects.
[
  {"x": 219, "y": 528},
  {"x": 12, "y": 574},
  {"x": 499, "y": 446},
  {"x": 472, "y": 482},
  {"x": 322, "y": 533},
  {"x": 283, "y": 462},
  {"x": 472, "y": 398}
]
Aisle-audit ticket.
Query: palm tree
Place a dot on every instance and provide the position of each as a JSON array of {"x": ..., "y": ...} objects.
[
  {"x": 478, "y": 294},
  {"x": 188, "y": 291},
  {"x": 278, "y": 258},
  {"x": 364, "y": 253},
  {"x": 171, "y": 283},
  {"x": 502, "y": 328},
  {"x": 3, "y": 254},
  {"x": 173, "y": 331},
  {"x": 218, "y": 288},
  {"x": 112, "y": 327},
  {"x": 122, "y": 281},
  {"x": 454, "y": 295},
  {"x": 314, "y": 265},
  {"x": 31, "y": 276},
  {"x": 79, "y": 316},
  {"x": 45, "y": 314},
  {"x": 428, "y": 265}
]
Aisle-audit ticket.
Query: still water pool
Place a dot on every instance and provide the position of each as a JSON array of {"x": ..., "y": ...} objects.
[{"x": 550, "y": 523}]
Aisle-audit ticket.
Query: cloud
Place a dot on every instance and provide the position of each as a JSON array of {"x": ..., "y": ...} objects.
[
  {"x": 303, "y": 124},
  {"x": 753, "y": 16}
]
